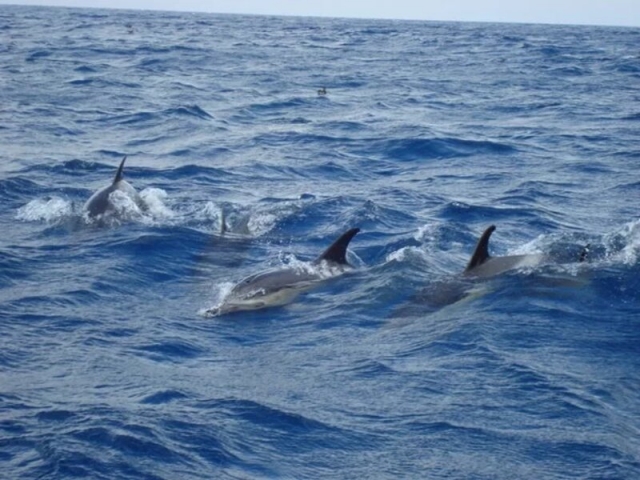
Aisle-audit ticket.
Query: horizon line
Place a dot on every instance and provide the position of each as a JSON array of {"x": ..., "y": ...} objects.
[{"x": 285, "y": 15}]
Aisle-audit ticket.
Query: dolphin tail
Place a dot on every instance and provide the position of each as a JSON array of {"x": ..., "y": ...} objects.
[
  {"x": 118, "y": 176},
  {"x": 337, "y": 252},
  {"x": 481, "y": 253}
]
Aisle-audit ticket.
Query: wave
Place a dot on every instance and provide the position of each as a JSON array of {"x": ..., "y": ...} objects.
[
  {"x": 436, "y": 148},
  {"x": 137, "y": 118}
]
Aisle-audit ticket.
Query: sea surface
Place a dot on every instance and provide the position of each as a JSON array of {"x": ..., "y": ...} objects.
[{"x": 428, "y": 134}]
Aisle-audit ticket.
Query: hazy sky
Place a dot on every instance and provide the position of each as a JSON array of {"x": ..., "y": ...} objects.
[{"x": 594, "y": 12}]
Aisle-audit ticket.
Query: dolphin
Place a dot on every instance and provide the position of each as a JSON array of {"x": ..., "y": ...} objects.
[
  {"x": 101, "y": 203},
  {"x": 276, "y": 287},
  {"x": 482, "y": 265}
]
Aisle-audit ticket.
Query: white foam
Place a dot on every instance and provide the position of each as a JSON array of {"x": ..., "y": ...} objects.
[
  {"x": 210, "y": 214},
  {"x": 153, "y": 210},
  {"x": 533, "y": 247},
  {"x": 405, "y": 254},
  {"x": 629, "y": 236},
  {"x": 154, "y": 199},
  {"x": 264, "y": 218},
  {"x": 220, "y": 295},
  {"x": 210, "y": 211},
  {"x": 48, "y": 210},
  {"x": 427, "y": 233},
  {"x": 124, "y": 206},
  {"x": 262, "y": 223},
  {"x": 220, "y": 292}
]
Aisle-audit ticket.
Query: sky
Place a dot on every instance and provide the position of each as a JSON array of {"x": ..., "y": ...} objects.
[{"x": 589, "y": 12}]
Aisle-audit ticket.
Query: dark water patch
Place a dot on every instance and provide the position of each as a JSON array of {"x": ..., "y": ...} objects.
[
  {"x": 277, "y": 426},
  {"x": 15, "y": 188},
  {"x": 378, "y": 30},
  {"x": 176, "y": 351},
  {"x": 532, "y": 192},
  {"x": 11, "y": 357},
  {"x": 131, "y": 119},
  {"x": 629, "y": 188},
  {"x": 85, "y": 69},
  {"x": 183, "y": 152},
  {"x": 464, "y": 212},
  {"x": 332, "y": 169},
  {"x": 56, "y": 416},
  {"x": 12, "y": 268},
  {"x": 298, "y": 138},
  {"x": 436, "y": 294},
  {"x": 437, "y": 148},
  {"x": 370, "y": 369},
  {"x": 198, "y": 174},
  {"x": 593, "y": 167},
  {"x": 300, "y": 121},
  {"x": 163, "y": 397},
  {"x": 81, "y": 81},
  {"x": 627, "y": 154},
  {"x": 203, "y": 441},
  {"x": 629, "y": 67},
  {"x": 134, "y": 444},
  {"x": 75, "y": 167},
  {"x": 189, "y": 111},
  {"x": 569, "y": 71},
  {"x": 101, "y": 82},
  {"x": 38, "y": 54},
  {"x": 370, "y": 215},
  {"x": 346, "y": 126},
  {"x": 278, "y": 105}
]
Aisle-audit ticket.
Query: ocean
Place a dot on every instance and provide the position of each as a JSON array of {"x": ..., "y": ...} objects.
[{"x": 429, "y": 133}]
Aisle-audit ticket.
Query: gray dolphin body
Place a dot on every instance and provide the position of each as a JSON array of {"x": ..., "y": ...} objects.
[
  {"x": 482, "y": 265},
  {"x": 100, "y": 202},
  {"x": 277, "y": 287}
]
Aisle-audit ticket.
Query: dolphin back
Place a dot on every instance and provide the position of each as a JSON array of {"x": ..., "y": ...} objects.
[
  {"x": 337, "y": 252},
  {"x": 119, "y": 173},
  {"x": 99, "y": 203},
  {"x": 481, "y": 253}
]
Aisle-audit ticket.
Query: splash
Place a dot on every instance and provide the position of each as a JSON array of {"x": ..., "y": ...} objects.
[
  {"x": 220, "y": 292},
  {"x": 151, "y": 211},
  {"x": 427, "y": 233},
  {"x": 45, "y": 210},
  {"x": 157, "y": 210},
  {"x": 624, "y": 246},
  {"x": 532, "y": 247}
]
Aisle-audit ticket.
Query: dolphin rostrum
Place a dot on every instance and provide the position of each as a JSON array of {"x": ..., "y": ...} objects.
[
  {"x": 277, "y": 287},
  {"x": 101, "y": 203}
]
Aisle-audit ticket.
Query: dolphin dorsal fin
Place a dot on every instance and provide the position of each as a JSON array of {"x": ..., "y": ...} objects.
[
  {"x": 118, "y": 176},
  {"x": 481, "y": 253},
  {"x": 337, "y": 252}
]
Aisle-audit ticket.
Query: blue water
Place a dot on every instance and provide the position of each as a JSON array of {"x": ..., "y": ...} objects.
[{"x": 429, "y": 133}]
